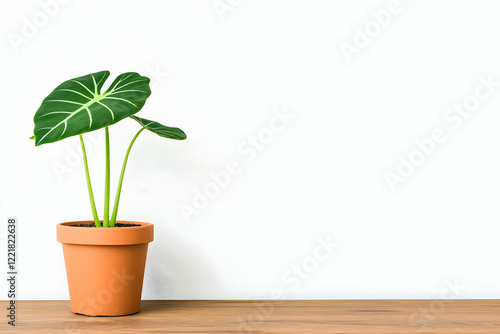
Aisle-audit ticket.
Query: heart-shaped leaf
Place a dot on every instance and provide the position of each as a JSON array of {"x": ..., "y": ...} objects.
[
  {"x": 160, "y": 129},
  {"x": 77, "y": 105}
]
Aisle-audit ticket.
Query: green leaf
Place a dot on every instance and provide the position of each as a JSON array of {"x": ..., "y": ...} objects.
[
  {"x": 161, "y": 130},
  {"x": 77, "y": 105},
  {"x": 32, "y": 137}
]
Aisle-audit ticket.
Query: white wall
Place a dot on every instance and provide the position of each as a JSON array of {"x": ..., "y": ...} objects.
[{"x": 222, "y": 77}]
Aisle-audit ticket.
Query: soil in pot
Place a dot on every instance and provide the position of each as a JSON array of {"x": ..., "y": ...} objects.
[{"x": 116, "y": 225}]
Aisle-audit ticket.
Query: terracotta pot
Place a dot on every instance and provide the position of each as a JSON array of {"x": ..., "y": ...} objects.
[{"x": 105, "y": 266}]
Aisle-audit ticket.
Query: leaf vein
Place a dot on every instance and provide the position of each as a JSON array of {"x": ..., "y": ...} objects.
[
  {"x": 111, "y": 111},
  {"x": 130, "y": 83},
  {"x": 78, "y": 82},
  {"x": 118, "y": 98},
  {"x": 66, "y": 101},
  {"x": 74, "y": 91}
]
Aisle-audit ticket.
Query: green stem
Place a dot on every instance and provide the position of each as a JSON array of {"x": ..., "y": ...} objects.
[
  {"x": 119, "y": 188},
  {"x": 89, "y": 185},
  {"x": 105, "y": 222}
]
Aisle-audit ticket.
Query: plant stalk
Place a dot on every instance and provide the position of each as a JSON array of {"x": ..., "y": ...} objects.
[
  {"x": 89, "y": 185},
  {"x": 119, "y": 188},
  {"x": 105, "y": 221}
]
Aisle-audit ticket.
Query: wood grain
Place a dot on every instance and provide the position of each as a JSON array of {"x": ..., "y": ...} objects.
[{"x": 269, "y": 316}]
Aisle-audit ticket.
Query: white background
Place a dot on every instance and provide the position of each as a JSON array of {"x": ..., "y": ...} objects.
[{"x": 219, "y": 77}]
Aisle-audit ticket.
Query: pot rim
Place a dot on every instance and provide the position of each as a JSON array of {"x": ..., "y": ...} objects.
[{"x": 132, "y": 235}]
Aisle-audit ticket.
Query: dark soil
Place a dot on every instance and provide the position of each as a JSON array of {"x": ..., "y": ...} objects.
[{"x": 116, "y": 225}]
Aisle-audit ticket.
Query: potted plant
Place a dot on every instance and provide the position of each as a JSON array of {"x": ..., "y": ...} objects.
[{"x": 105, "y": 258}]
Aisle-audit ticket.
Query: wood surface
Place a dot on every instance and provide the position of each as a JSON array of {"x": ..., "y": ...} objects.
[{"x": 268, "y": 316}]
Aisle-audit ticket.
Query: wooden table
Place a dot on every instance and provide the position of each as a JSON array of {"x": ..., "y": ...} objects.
[{"x": 271, "y": 316}]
